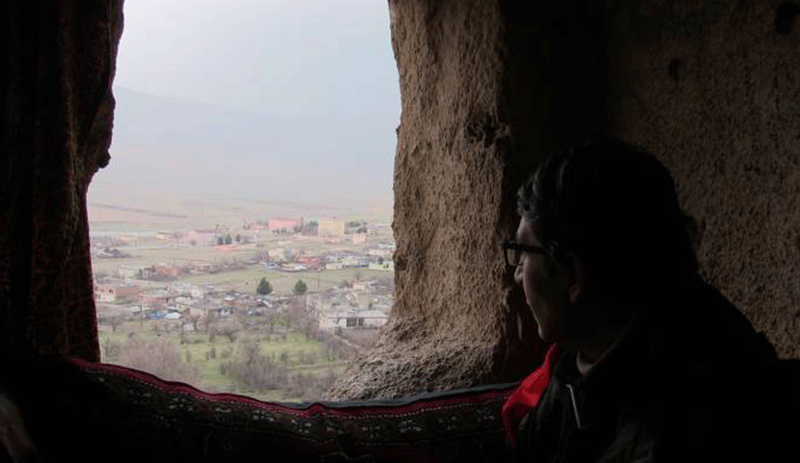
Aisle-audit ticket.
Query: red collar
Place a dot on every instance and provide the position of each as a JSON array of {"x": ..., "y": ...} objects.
[{"x": 527, "y": 395}]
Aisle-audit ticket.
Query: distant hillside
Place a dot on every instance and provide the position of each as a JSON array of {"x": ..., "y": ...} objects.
[{"x": 169, "y": 146}]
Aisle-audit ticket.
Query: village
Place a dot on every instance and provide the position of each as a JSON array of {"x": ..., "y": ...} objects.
[{"x": 285, "y": 294}]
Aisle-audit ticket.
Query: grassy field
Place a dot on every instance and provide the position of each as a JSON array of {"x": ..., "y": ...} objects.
[
  {"x": 135, "y": 209},
  {"x": 295, "y": 365},
  {"x": 283, "y": 282},
  {"x": 146, "y": 252},
  {"x": 199, "y": 359},
  {"x": 157, "y": 253}
]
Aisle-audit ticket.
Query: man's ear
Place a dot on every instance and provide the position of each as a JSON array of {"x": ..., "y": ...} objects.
[{"x": 576, "y": 278}]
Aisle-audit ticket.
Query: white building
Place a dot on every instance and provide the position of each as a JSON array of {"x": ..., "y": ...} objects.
[
  {"x": 188, "y": 289},
  {"x": 351, "y": 319},
  {"x": 386, "y": 265}
]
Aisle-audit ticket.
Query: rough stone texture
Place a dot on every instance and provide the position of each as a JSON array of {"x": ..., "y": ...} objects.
[
  {"x": 714, "y": 92},
  {"x": 481, "y": 104},
  {"x": 489, "y": 88},
  {"x": 447, "y": 168}
]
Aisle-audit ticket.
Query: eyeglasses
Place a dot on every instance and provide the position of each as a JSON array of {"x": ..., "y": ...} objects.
[{"x": 512, "y": 252}]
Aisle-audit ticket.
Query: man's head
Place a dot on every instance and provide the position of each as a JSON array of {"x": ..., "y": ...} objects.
[{"x": 607, "y": 218}]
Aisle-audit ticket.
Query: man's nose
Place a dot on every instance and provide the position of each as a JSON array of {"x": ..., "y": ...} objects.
[{"x": 518, "y": 274}]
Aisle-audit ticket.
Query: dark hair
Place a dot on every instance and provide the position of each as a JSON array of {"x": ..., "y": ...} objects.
[{"x": 614, "y": 205}]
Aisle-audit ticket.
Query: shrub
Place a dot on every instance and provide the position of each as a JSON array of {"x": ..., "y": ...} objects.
[
  {"x": 300, "y": 288},
  {"x": 308, "y": 386},
  {"x": 159, "y": 358},
  {"x": 110, "y": 351},
  {"x": 255, "y": 370},
  {"x": 264, "y": 287}
]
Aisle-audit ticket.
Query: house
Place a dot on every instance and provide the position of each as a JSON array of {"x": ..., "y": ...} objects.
[
  {"x": 116, "y": 293},
  {"x": 308, "y": 261},
  {"x": 351, "y": 319},
  {"x": 160, "y": 272},
  {"x": 382, "y": 265},
  {"x": 157, "y": 301},
  {"x": 331, "y": 227},
  {"x": 187, "y": 289},
  {"x": 283, "y": 224},
  {"x": 264, "y": 303},
  {"x": 358, "y": 238},
  {"x": 167, "y": 271},
  {"x": 292, "y": 268}
]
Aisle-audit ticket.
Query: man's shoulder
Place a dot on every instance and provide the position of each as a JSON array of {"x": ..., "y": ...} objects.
[
  {"x": 725, "y": 387},
  {"x": 704, "y": 327}
]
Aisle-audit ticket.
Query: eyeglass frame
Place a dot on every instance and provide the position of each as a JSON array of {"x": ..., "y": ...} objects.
[{"x": 510, "y": 244}]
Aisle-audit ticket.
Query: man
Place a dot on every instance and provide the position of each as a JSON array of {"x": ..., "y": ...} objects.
[{"x": 647, "y": 363}]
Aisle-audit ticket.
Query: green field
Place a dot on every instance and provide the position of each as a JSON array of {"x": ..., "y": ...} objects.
[
  {"x": 276, "y": 363},
  {"x": 196, "y": 358},
  {"x": 150, "y": 251},
  {"x": 283, "y": 282}
]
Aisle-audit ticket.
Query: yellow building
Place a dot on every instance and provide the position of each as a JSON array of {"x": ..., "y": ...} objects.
[{"x": 331, "y": 227}]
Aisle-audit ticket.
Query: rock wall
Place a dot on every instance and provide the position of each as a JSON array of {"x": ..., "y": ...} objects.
[
  {"x": 491, "y": 87},
  {"x": 714, "y": 91},
  {"x": 482, "y": 103}
]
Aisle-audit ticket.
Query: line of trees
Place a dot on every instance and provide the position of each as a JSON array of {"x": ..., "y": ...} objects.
[
  {"x": 264, "y": 288},
  {"x": 228, "y": 239}
]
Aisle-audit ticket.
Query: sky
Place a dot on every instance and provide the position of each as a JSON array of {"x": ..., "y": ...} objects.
[{"x": 328, "y": 66}]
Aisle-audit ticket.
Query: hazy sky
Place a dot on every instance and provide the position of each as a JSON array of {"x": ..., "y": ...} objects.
[
  {"x": 331, "y": 61},
  {"x": 290, "y": 56}
]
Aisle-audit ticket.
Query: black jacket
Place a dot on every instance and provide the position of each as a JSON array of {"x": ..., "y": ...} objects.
[{"x": 690, "y": 381}]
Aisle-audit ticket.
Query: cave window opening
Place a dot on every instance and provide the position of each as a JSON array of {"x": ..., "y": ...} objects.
[{"x": 248, "y": 200}]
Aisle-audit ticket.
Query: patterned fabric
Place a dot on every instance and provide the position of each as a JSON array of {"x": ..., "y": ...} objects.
[{"x": 94, "y": 411}]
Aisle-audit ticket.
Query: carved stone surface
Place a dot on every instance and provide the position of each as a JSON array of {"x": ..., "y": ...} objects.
[
  {"x": 714, "y": 92},
  {"x": 490, "y": 88},
  {"x": 483, "y": 101}
]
